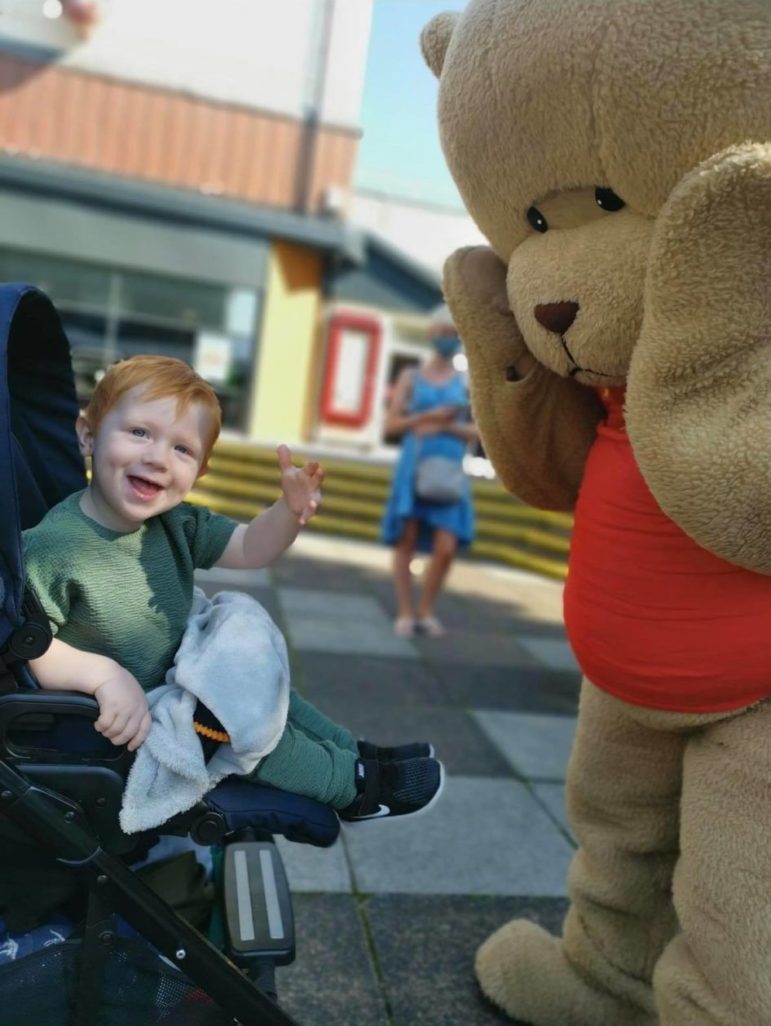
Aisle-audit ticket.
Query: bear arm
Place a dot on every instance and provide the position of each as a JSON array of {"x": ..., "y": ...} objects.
[
  {"x": 536, "y": 427},
  {"x": 698, "y": 404}
]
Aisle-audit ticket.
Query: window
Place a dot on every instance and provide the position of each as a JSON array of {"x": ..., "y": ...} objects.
[{"x": 111, "y": 313}]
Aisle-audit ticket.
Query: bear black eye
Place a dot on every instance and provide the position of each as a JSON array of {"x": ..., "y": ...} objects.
[
  {"x": 607, "y": 199},
  {"x": 536, "y": 220}
]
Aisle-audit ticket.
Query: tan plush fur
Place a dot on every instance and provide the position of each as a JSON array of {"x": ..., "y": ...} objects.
[
  {"x": 650, "y": 791},
  {"x": 538, "y": 427},
  {"x": 668, "y": 104},
  {"x": 543, "y": 100},
  {"x": 699, "y": 387}
]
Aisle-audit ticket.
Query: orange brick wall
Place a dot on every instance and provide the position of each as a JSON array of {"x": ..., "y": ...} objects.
[{"x": 68, "y": 116}]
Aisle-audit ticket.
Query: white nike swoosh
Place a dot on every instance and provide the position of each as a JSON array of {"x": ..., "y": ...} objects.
[{"x": 383, "y": 810}]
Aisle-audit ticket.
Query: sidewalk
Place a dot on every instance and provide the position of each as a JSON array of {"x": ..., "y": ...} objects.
[{"x": 388, "y": 920}]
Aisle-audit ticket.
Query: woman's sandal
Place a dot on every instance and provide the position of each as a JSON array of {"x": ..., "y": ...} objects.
[
  {"x": 430, "y": 627},
  {"x": 404, "y": 627}
]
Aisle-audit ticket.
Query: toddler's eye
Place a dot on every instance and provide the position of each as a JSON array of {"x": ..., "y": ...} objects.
[
  {"x": 138, "y": 432},
  {"x": 184, "y": 450},
  {"x": 536, "y": 220},
  {"x": 607, "y": 199}
]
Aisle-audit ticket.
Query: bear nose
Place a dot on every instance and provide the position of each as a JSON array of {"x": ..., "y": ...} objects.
[{"x": 556, "y": 317}]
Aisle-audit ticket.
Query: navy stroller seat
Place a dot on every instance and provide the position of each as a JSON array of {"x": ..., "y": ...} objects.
[{"x": 61, "y": 782}]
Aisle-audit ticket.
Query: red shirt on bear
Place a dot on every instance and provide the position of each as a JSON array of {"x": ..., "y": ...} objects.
[{"x": 652, "y": 617}]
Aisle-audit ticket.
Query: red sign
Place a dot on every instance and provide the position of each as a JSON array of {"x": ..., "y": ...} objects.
[{"x": 353, "y": 353}]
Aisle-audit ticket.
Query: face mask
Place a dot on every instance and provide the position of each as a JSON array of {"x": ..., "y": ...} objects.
[{"x": 447, "y": 346}]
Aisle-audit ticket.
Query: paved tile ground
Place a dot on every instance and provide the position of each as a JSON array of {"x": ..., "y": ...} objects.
[{"x": 388, "y": 920}]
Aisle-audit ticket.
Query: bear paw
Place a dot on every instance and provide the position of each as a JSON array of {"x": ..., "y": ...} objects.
[{"x": 523, "y": 970}]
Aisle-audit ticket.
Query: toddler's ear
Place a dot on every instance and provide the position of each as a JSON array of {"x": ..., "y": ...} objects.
[
  {"x": 204, "y": 470},
  {"x": 435, "y": 38},
  {"x": 85, "y": 436}
]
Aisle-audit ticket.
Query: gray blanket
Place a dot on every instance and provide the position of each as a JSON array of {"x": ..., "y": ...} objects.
[{"x": 233, "y": 658}]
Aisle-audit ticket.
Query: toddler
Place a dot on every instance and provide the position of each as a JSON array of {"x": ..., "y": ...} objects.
[{"x": 113, "y": 565}]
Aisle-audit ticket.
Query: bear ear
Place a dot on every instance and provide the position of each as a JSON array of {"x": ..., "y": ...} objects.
[{"x": 435, "y": 38}]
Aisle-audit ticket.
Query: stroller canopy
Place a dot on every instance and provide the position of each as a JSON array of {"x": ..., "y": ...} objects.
[{"x": 40, "y": 463}]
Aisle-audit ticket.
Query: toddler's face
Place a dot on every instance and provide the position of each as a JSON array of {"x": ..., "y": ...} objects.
[{"x": 146, "y": 456}]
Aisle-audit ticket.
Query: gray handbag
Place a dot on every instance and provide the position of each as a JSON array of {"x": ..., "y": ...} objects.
[{"x": 439, "y": 479}]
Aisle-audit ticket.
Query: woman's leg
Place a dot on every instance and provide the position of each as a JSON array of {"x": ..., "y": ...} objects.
[
  {"x": 623, "y": 792},
  {"x": 403, "y": 552},
  {"x": 717, "y": 971},
  {"x": 445, "y": 546}
]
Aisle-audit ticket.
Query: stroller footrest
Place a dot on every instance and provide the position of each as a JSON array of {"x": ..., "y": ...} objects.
[{"x": 259, "y": 919}]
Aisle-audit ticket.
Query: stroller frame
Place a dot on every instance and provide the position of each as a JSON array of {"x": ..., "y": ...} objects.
[
  {"x": 61, "y": 824},
  {"x": 67, "y": 803}
]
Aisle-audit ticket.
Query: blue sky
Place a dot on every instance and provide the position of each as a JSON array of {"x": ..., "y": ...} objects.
[{"x": 400, "y": 152}]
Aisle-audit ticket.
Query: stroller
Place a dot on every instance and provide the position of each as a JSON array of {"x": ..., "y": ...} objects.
[{"x": 61, "y": 783}]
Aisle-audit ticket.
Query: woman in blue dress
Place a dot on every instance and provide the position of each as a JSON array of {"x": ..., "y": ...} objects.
[{"x": 429, "y": 407}]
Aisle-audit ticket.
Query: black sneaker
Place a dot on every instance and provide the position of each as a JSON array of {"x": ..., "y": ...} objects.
[
  {"x": 399, "y": 753},
  {"x": 393, "y": 788}
]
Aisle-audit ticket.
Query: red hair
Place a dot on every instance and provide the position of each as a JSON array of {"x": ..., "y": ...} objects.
[{"x": 162, "y": 377}]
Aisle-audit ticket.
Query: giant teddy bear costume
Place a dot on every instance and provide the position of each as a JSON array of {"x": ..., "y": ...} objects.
[{"x": 617, "y": 156}]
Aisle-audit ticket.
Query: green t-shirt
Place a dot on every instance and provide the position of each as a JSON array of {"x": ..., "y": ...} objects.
[{"x": 126, "y": 596}]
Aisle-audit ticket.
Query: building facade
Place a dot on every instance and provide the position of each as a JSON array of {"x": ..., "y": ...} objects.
[{"x": 176, "y": 175}]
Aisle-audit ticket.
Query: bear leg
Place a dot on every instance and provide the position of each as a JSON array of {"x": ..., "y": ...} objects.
[
  {"x": 717, "y": 971},
  {"x": 623, "y": 792}
]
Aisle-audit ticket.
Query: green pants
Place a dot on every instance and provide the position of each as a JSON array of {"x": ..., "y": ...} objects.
[{"x": 315, "y": 757}]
